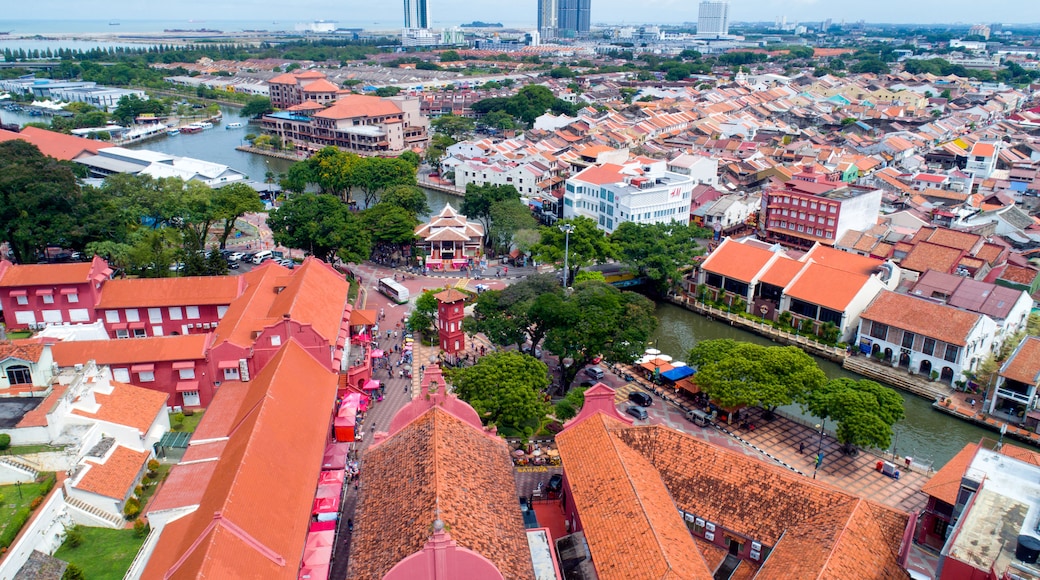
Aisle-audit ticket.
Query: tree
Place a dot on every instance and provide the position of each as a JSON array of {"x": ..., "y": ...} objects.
[
  {"x": 232, "y": 202},
  {"x": 73, "y": 572},
  {"x": 507, "y": 218},
  {"x": 505, "y": 389},
  {"x": 450, "y": 56},
  {"x": 411, "y": 157},
  {"x": 571, "y": 404},
  {"x": 374, "y": 174},
  {"x": 520, "y": 312},
  {"x": 864, "y": 410},
  {"x": 499, "y": 120},
  {"x": 321, "y": 225},
  {"x": 5, "y": 441},
  {"x": 453, "y": 126},
  {"x": 390, "y": 224},
  {"x": 422, "y": 317},
  {"x": 659, "y": 251},
  {"x": 409, "y": 197},
  {"x": 588, "y": 245},
  {"x": 39, "y": 199},
  {"x": 387, "y": 91},
  {"x": 750, "y": 374},
  {"x": 257, "y": 107},
  {"x": 477, "y": 202},
  {"x": 562, "y": 72},
  {"x": 598, "y": 319}
]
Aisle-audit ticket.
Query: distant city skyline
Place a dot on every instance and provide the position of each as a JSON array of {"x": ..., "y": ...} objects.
[{"x": 524, "y": 12}]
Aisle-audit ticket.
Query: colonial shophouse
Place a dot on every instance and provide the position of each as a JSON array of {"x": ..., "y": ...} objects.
[
  {"x": 33, "y": 296},
  {"x": 810, "y": 208},
  {"x": 824, "y": 287},
  {"x": 1017, "y": 382},
  {"x": 926, "y": 337}
]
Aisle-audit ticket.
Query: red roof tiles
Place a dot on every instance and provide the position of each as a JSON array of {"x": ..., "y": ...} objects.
[
  {"x": 737, "y": 261},
  {"x": 56, "y": 145},
  {"x": 1024, "y": 364},
  {"x": 115, "y": 475},
  {"x": 128, "y": 405},
  {"x": 132, "y": 350},
  {"x": 924, "y": 317},
  {"x": 189, "y": 290}
]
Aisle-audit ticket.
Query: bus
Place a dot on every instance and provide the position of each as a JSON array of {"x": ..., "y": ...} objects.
[{"x": 392, "y": 290}]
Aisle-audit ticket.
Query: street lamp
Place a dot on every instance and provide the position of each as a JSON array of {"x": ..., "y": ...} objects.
[
  {"x": 566, "y": 229},
  {"x": 819, "y": 450}
]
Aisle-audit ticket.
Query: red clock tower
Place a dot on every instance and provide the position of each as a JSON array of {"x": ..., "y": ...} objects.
[{"x": 450, "y": 312}]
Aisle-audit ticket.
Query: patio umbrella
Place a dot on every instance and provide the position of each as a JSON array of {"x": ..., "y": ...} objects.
[
  {"x": 665, "y": 358},
  {"x": 377, "y": 353},
  {"x": 679, "y": 364},
  {"x": 652, "y": 351},
  {"x": 371, "y": 385}
]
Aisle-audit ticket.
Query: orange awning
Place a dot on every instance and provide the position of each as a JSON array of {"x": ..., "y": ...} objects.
[
  {"x": 658, "y": 364},
  {"x": 362, "y": 317},
  {"x": 688, "y": 386}
]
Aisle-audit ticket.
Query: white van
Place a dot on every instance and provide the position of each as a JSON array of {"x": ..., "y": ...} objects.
[{"x": 261, "y": 256}]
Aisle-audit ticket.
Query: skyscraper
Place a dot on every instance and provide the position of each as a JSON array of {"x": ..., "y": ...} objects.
[
  {"x": 548, "y": 18},
  {"x": 573, "y": 17},
  {"x": 713, "y": 18},
  {"x": 416, "y": 14}
]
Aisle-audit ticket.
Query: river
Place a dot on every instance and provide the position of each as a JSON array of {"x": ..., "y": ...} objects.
[{"x": 924, "y": 433}]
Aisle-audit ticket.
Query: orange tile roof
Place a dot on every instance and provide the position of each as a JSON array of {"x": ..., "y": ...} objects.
[
  {"x": 839, "y": 260},
  {"x": 629, "y": 519},
  {"x": 116, "y": 475},
  {"x": 954, "y": 239},
  {"x": 815, "y": 530},
  {"x": 353, "y": 106},
  {"x": 438, "y": 462},
  {"x": 44, "y": 274},
  {"x": 920, "y": 316},
  {"x": 737, "y": 261},
  {"x": 320, "y": 86},
  {"x": 23, "y": 349},
  {"x": 128, "y": 405},
  {"x": 601, "y": 174},
  {"x": 310, "y": 74},
  {"x": 982, "y": 149},
  {"x": 450, "y": 295},
  {"x": 56, "y": 145},
  {"x": 132, "y": 350},
  {"x": 946, "y": 483},
  {"x": 1024, "y": 364},
  {"x": 782, "y": 271},
  {"x": 927, "y": 256},
  {"x": 38, "y": 416},
  {"x": 283, "y": 79},
  {"x": 272, "y": 459},
  {"x": 186, "y": 291},
  {"x": 827, "y": 287}
]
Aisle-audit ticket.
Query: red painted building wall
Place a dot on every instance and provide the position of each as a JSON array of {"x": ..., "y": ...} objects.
[
  {"x": 47, "y": 299},
  {"x": 160, "y": 321}
]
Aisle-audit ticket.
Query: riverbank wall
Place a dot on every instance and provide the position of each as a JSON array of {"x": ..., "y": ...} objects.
[{"x": 290, "y": 156}]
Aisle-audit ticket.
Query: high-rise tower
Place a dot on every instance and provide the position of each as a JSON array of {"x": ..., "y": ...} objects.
[
  {"x": 573, "y": 17},
  {"x": 713, "y": 18},
  {"x": 416, "y": 14},
  {"x": 548, "y": 18}
]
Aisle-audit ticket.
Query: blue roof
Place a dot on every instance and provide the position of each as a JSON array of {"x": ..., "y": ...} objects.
[
  {"x": 677, "y": 373},
  {"x": 289, "y": 116}
]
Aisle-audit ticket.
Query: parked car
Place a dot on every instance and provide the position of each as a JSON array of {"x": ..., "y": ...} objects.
[
  {"x": 235, "y": 256},
  {"x": 698, "y": 418},
  {"x": 595, "y": 372},
  {"x": 556, "y": 482},
  {"x": 637, "y": 412},
  {"x": 640, "y": 398},
  {"x": 247, "y": 257},
  {"x": 233, "y": 265},
  {"x": 287, "y": 263}
]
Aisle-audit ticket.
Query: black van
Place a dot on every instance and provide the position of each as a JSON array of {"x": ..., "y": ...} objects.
[{"x": 640, "y": 398}]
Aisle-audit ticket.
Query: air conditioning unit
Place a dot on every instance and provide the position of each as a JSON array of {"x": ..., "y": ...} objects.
[
  {"x": 191, "y": 325},
  {"x": 205, "y": 325},
  {"x": 700, "y": 523},
  {"x": 755, "y": 554},
  {"x": 709, "y": 526},
  {"x": 710, "y": 536},
  {"x": 756, "y": 546}
]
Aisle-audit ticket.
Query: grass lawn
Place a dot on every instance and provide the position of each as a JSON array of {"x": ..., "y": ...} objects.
[
  {"x": 149, "y": 490},
  {"x": 19, "y": 334},
  {"x": 28, "y": 449},
  {"x": 105, "y": 554},
  {"x": 15, "y": 508},
  {"x": 190, "y": 423}
]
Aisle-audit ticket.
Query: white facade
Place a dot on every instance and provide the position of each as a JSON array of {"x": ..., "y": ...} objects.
[
  {"x": 519, "y": 176},
  {"x": 713, "y": 18},
  {"x": 859, "y": 212},
  {"x": 640, "y": 191},
  {"x": 729, "y": 211}
]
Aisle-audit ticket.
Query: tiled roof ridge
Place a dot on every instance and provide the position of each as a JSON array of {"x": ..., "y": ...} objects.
[
  {"x": 859, "y": 504},
  {"x": 615, "y": 442},
  {"x": 220, "y": 520}
]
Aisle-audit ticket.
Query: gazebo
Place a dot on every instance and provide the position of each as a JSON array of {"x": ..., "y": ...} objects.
[{"x": 449, "y": 240}]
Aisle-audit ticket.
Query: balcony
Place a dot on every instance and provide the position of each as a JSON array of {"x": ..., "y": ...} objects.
[{"x": 1023, "y": 398}]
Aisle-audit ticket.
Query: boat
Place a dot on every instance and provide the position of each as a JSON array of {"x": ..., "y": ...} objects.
[
  {"x": 114, "y": 23},
  {"x": 173, "y": 132},
  {"x": 233, "y": 126},
  {"x": 204, "y": 125},
  {"x": 193, "y": 128}
]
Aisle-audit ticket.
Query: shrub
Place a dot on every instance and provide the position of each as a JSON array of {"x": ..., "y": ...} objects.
[
  {"x": 178, "y": 420},
  {"x": 14, "y": 525},
  {"x": 153, "y": 465},
  {"x": 132, "y": 509},
  {"x": 564, "y": 410},
  {"x": 72, "y": 572},
  {"x": 935, "y": 375},
  {"x": 74, "y": 536},
  {"x": 35, "y": 503},
  {"x": 140, "y": 528},
  {"x": 5, "y": 441},
  {"x": 139, "y": 490}
]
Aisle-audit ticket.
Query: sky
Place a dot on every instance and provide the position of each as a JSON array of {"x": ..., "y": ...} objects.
[{"x": 519, "y": 12}]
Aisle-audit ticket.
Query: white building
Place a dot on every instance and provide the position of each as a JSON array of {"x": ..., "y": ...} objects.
[
  {"x": 642, "y": 190},
  {"x": 729, "y": 211},
  {"x": 142, "y": 161},
  {"x": 713, "y": 18},
  {"x": 104, "y": 98}
]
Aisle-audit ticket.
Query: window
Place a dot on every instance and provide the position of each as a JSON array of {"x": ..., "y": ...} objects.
[
  {"x": 175, "y": 313},
  {"x": 187, "y": 373},
  {"x": 132, "y": 315},
  {"x": 121, "y": 375},
  {"x": 146, "y": 376},
  {"x": 22, "y": 299},
  {"x": 908, "y": 340},
  {"x": 192, "y": 312},
  {"x": 140, "y": 333},
  {"x": 155, "y": 315},
  {"x": 111, "y": 316},
  {"x": 878, "y": 330},
  {"x": 122, "y": 333},
  {"x": 19, "y": 375},
  {"x": 929, "y": 346},
  {"x": 79, "y": 315},
  {"x": 231, "y": 374},
  {"x": 952, "y": 352},
  {"x": 276, "y": 340},
  {"x": 48, "y": 298},
  {"x": 72, "y": 297}
]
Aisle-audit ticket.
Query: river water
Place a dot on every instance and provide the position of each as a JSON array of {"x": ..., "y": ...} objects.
[{"x": 924, "y": 434}]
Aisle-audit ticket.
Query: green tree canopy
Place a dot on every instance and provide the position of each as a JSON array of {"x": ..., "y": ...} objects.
[
  {"x": 321, "y": 225},
  {"x": 230, "y": 203},
  {"x": 478, "y": 201},
  {"x": 508, "y": 217},
  {"x": 408, "y": 197},
  {"x": 659, "y": 251},
  {"x": 864, "y": 410},
  {"x": 744, "y": 373},
  {"x": 422, "y": 317},
  {"x": 588, "y": 245},
  {"x": 374, "y": 174},
  {"x": 390, "y": 223},
  {"x": 256, "y": 107},
  {"x": 505, "y": 388},
  {"x": 519, "y": 312},
  {"x": 453, "y": 126}
]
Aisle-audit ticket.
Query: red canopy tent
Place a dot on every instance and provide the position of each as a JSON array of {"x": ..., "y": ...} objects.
[
  {"x": 328, "y": 490},
  {"x": 325, "y": 505},
  {"x": 335, "y": 456},
  {"x": 322, "y": 527},
  {"x": 332, "y": 477},
  {"x": 371, "y": 385}
]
